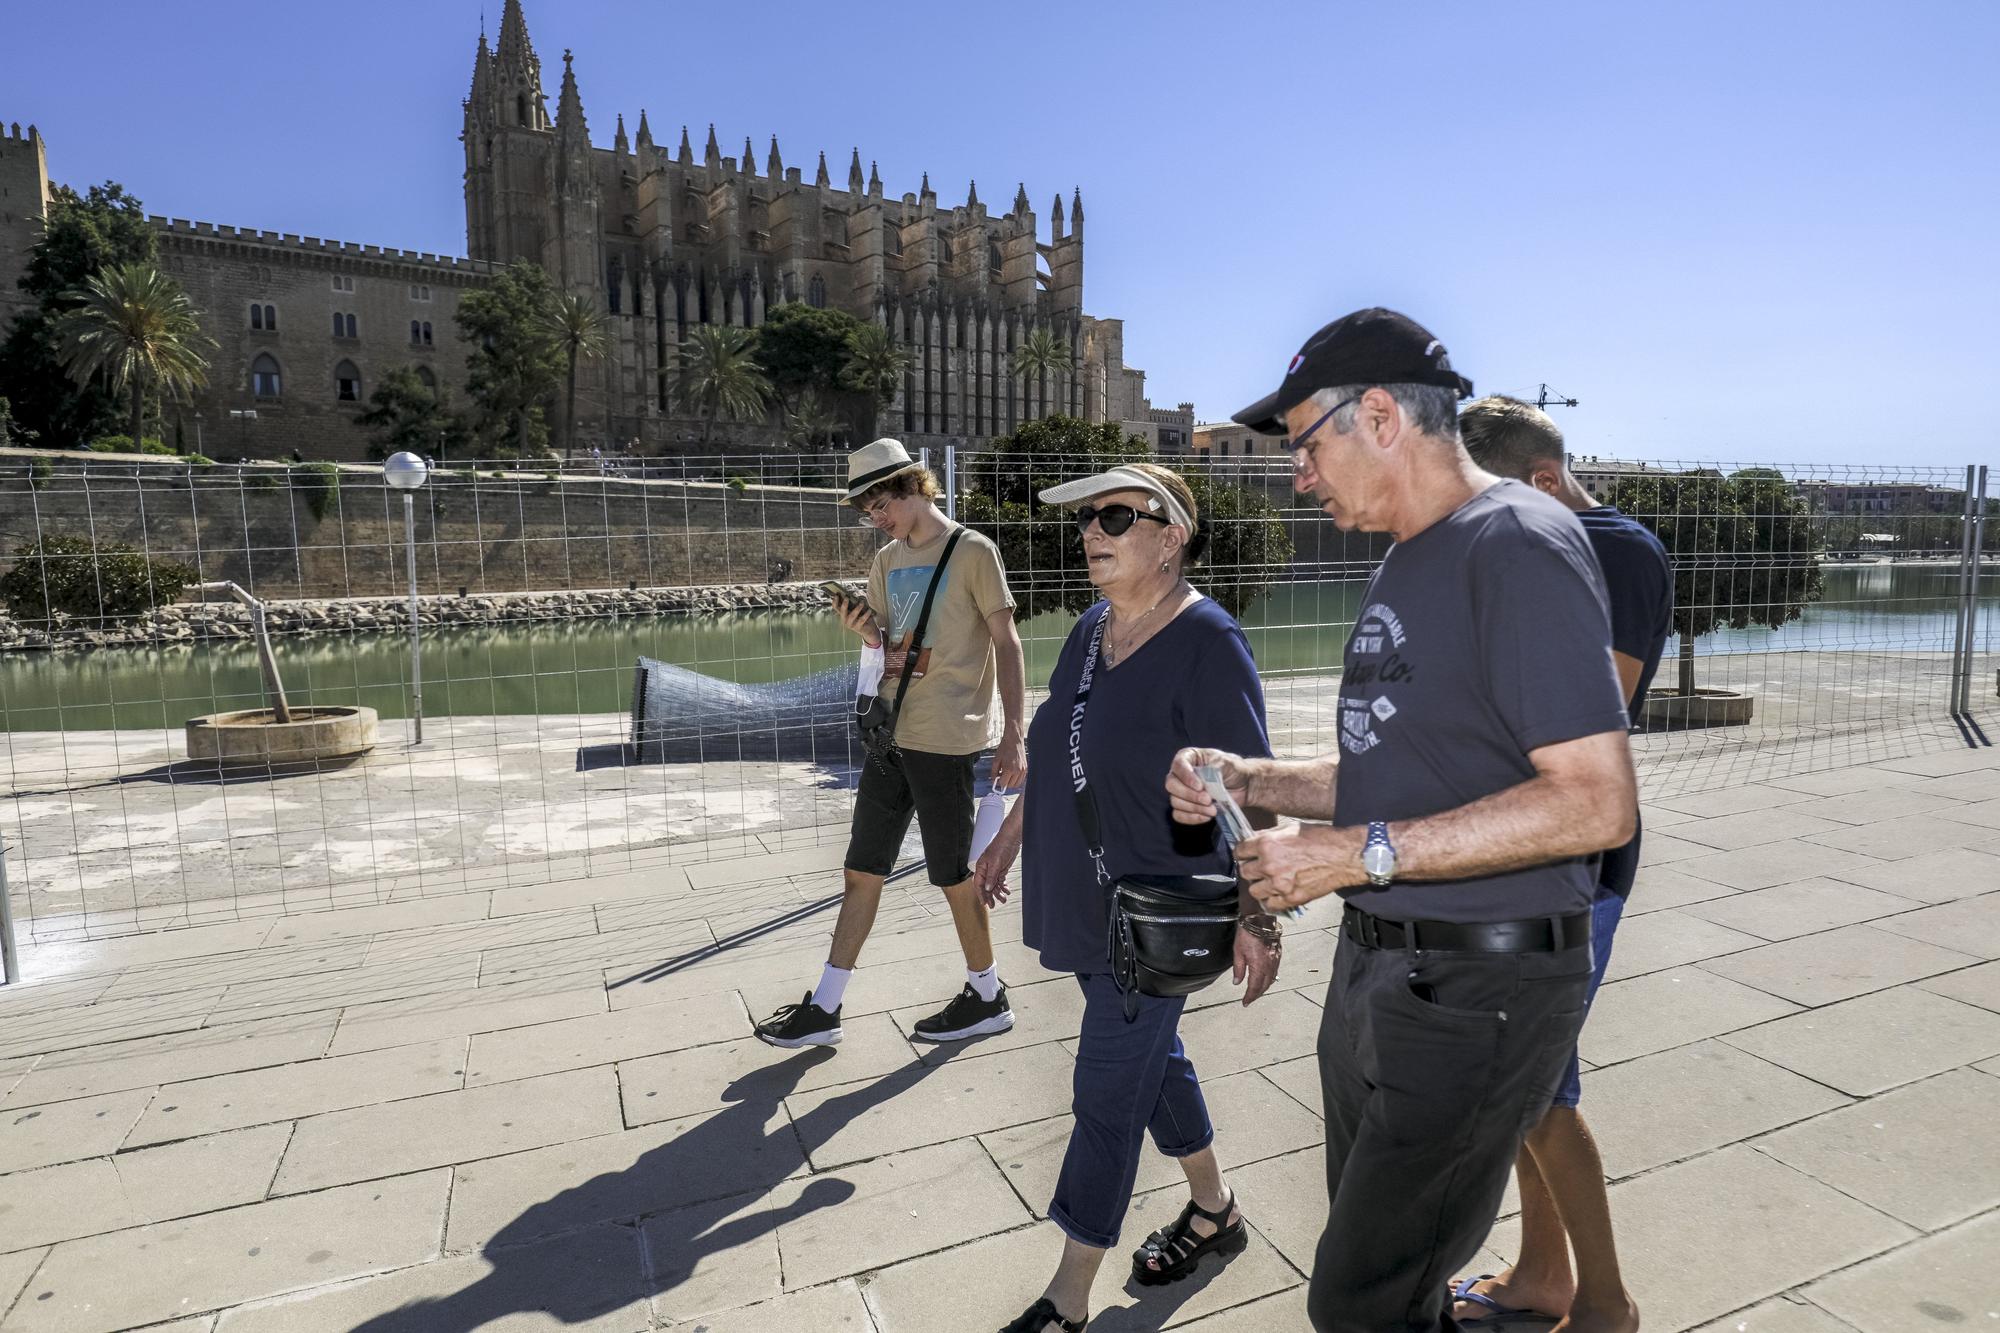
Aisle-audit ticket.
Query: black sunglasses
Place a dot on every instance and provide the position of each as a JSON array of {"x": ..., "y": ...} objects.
[{"x": 1115, "y": 520}]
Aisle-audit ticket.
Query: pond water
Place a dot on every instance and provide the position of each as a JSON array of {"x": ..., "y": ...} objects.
[{"x": 557, "y": 668}]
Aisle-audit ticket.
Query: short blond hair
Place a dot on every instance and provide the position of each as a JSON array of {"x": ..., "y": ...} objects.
[{"x": 1177, "y": 486}]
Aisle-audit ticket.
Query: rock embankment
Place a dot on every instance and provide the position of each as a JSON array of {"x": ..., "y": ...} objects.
[{"x": 210, "y": 622}]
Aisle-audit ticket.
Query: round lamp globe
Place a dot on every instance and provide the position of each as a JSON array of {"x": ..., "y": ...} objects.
[{"x": 405, "y": 471}]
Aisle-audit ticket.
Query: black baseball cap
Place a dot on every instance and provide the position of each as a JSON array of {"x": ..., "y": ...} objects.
[{"x": 1372, "y": 346}]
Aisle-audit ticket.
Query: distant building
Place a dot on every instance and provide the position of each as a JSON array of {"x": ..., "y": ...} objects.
[
  {"x": 1598, "y": 475},
  {"x": 1173, "y": 430},
  {"x": 1840, "y": 497},
  {"x": 1226, "y": 439}
]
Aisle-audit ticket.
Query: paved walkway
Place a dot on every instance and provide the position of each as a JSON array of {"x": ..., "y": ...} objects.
[{"x": 540, "y": 1107}]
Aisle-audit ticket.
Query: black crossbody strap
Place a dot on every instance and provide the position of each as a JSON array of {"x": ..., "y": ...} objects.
[
  {"x": 924, "y": 619},
  {"x": 1086, "y": 800}
]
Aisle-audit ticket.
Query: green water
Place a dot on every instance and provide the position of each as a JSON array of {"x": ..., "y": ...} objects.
[{"x": 586, "y": 666}]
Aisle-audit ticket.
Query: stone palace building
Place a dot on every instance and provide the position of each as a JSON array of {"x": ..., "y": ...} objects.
[{"x": 664, "y": 239}]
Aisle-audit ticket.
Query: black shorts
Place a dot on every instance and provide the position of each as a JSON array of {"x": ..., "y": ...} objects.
[{"x": 937, "y": 789}]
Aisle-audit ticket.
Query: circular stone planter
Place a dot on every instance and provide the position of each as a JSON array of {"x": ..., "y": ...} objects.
[
  {"x": 1665, "y": 710},
  {"x": 253, "y": 738}
]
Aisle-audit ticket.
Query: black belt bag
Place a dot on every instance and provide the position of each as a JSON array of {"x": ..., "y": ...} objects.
[{"x": 1169, "y": 934}]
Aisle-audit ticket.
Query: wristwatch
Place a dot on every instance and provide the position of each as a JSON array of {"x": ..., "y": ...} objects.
[{"x": 1378, "y": 855}]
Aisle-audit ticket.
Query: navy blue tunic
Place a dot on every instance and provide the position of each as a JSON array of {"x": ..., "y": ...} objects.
[{"x": 1193, "y": 683}]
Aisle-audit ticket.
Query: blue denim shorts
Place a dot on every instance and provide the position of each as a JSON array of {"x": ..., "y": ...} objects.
[{"x": 1605, "y": 911}]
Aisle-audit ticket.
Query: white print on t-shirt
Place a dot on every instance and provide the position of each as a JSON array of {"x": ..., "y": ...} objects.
[{"x": 1378, "y": 627}]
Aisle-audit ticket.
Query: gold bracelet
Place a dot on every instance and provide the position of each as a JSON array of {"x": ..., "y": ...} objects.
[{"x": 1263, "y": 926}]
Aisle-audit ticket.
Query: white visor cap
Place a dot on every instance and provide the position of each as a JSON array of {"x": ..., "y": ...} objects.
[{"x": 1121, "y": 479}]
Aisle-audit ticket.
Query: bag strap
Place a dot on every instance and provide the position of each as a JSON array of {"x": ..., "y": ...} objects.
[
  {"x": 1086, "y": 800},
  {"x": 924, "y": 619}
]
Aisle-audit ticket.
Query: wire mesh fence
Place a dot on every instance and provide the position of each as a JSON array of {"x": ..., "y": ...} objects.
[{"x": 1832, "y": 598}]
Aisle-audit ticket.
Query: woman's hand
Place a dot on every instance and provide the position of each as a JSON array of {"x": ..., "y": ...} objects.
[
  {"x": 1257, "y": 959},
  {"x": 989, "y": 877},
  {"x": 1187, "y": 795}
]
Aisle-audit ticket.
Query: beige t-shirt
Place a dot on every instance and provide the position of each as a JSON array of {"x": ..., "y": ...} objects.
[{"x": 949, "y": 709}]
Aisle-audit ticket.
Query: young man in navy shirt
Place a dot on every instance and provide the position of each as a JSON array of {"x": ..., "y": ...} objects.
[{"x": 1560, "y": 1171}]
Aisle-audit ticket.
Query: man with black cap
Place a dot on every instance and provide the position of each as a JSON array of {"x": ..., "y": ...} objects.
[{"x": 1482, "y": 766}]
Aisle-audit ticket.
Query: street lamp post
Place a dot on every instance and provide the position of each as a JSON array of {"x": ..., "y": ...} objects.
[{"x": 406, "y": 472}]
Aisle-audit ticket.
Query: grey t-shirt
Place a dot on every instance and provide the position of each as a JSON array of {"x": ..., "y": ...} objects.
[{"x": 1483, "y": 637}]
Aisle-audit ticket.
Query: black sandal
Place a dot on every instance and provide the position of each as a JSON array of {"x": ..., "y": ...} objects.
[
  {"x": 1177, "y": 1249},
  {"x": 1040, "y": 1315}
]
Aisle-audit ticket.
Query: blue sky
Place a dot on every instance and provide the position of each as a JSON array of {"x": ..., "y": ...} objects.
[{"x": 1740, "y": 231}]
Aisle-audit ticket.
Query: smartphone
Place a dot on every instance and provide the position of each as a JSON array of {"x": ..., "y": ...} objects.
[{"x": 839, "y": 594}]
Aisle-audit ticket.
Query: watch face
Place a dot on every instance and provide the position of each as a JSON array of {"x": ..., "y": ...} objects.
[{"x": 1379, "y": 861}]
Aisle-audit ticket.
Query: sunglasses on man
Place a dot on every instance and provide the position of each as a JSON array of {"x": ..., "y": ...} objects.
[{"x": 1114, "y": 520}]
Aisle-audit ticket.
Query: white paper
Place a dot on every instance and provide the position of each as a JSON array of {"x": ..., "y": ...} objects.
[{"x": 992, "y": 814}]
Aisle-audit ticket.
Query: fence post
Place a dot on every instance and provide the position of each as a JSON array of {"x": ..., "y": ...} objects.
[
  {"x": 1977, "y": 539},
  {"x": 951, "y": 482},
  {"x": 1968, "y": 557},
  {"x": 10, "y": 960}
]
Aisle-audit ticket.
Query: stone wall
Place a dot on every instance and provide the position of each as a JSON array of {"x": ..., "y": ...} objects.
[{"x": 257, "y": 526}]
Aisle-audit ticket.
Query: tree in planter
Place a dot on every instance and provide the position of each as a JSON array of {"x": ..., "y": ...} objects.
[
  {"x": 406, "y": 414},
  {"x": 135, "y": 330},
  {"x": 580, "y": 333},
  {"x": 1038, "y": 542},
  {"x": 1037, "y": 356},
  {"x": 84, "y": 235},
  {"x": 515, "y": 366},
  {"x": 1745, "y": 551},
  {"x": 720, "y": 376},
  {"x": 69, "y": 574},
  {"x": 874, "y": 374}
]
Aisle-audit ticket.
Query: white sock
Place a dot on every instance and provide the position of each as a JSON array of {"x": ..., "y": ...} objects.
[
  {"x": 832, "y": 986},
  {"x": 986, "y": 983}
]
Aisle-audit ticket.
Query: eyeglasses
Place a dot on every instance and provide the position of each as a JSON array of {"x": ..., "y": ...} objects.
[
  {"x": 1114, "y": 520},
  {"x": 1299, "y": 440}
]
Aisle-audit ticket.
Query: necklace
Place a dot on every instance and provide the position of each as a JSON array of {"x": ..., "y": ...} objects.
[{"x": 1113, "y": 652}]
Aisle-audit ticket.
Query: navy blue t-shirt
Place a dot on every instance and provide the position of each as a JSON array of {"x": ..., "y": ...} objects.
[
  {"x": 1639, "y": 580},
  {"x": 1193, "y": 683},
  {"x": 1480, "y": 639}
]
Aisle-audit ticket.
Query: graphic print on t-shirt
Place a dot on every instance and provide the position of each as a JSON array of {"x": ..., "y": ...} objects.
[
  {"x": 906, "y": 588},
  {"x": 1376, "y": 665}
]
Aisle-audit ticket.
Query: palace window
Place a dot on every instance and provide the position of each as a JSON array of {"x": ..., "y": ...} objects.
[
  {"x": 816, "y": 295},
  {"x": 419, "y": 292},
  {"x": 420, "y": 333},
  {"x": 264, "y": 317},
  {"x": 347, "y": 382},
  {"x": 343, "y": 283},
  {"x": 427, "y": 379},
  {"x": 344, "y": 325},
  {"x": 264, "y": 376}
]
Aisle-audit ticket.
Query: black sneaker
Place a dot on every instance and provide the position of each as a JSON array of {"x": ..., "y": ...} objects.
[
  {"x": 801, "y": 1024},
  {"x": 966, "y": 1016}
]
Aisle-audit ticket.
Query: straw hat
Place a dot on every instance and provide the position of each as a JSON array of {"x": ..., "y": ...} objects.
[{"x": 874, "y": 463}]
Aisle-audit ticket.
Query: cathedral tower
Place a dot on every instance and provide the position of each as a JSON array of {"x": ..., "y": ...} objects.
[
  {"x": 507, "y": 148},
  {"x": 24, "y": 203}
]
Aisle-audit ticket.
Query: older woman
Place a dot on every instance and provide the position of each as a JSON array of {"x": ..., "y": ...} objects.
[{"x": 1173, "y": 669}]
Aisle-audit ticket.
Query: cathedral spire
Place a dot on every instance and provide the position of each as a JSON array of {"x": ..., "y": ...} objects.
[
  {"x": 874, "y": 180},
  {"x": 1056, "y": 217},
  {"x": 924, "y": 192},
  {"x": 711, "y": 156},
  {"x": 822, "y": 180},
  {"x": 749, "y": 157},
  {"x": 775, "y": 168},
  {"x": 570, "y": 125},
  {"x": 1076, "y": 209},
  {"x": 1021, "y": 198},
  {"x": 480, "y": 80},
  {"x": 645, "y": 132},
  {"x": 687, "y": 152},
  {"x": 618, "y": 141},
  {"x": 514, "y": 43},
  {"x": 972, "y": 195},
  {"x": 855, "y": 185}
]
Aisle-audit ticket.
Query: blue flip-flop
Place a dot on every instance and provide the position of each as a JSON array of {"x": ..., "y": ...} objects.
[{"x": 1496, "y": 1313}]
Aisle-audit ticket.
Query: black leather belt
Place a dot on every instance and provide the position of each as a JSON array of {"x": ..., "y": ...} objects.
[{"x": 1545, "y": 934}]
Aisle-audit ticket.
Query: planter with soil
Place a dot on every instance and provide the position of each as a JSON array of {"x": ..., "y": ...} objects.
[
  {"x": 1670, "y": 710},
  {"x": 254, "y": 738}
]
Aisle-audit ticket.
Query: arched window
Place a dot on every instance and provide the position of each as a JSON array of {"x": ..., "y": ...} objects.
[
  {"x": 264, "y": 376},
  {"x": 256, "y": 316},
  {"x": 270, "y": 319},
  {"x": 993, "y": 255},
  {"x": 892, "y": 240},
  {"x": 817, "y": 293},
  {"x": 427, "y": 379},
  {"x": 520, "y": 108},
  {"x": 427, "y": 333},
  {"x": 614, "y": 282},
  {"x": 416, "y": 332},
  {"x": 343, "y": 325},
  {"x": 347, "y": 382}
]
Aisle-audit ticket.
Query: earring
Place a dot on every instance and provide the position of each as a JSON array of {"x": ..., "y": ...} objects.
[{"x": 1163, "y": 566}]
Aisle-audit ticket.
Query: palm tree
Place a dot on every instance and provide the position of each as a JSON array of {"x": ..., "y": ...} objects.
[
  {"x": 1038, "y": 356},
  {"x": 875, "y": 369},
  {"x": 580, "y": 332},
  {"x": 810, "y": 423},
  {"x": 720, "y": 375},
  {"x": 137, "y": 329}
]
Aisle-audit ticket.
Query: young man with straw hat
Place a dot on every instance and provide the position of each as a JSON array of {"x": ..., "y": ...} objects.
[{"x": 969, "y": 652}]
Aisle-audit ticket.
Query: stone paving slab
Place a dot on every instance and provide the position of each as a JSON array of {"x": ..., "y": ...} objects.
[
  {"x": 462, "y": 1014},
  {"x": 93, "y": 1070},
  {"x": 1970, "y": 925},
  {"x": 1942, "y": 1281},
  {"x": 392, "y": 1138},
  {"x": 1771, "y": 864},
  {"x": 1868, "y": 1045},
  {"x": 1803, "y": 908},
  {"x": 1974, "y": 985},
  {"x": 1939, "y": 876},
  {"x": 931, "y": 1103},
  {"x": 1780, "y": 1314},
  {"x": 606, "y": 1038},
  {"x": 306, "y": 1088},
  {"x": 1662, "y": 1010},
  {"x": 68, "y": 1131},
  {"x": 114, "y": 1020},
  {"x": 1839, "y": 964},
  {"x": 835, "y": 1308},
  {"x": 129, "y": 1278},
  {"x": 15, "y": 1270},
  {"x": 1660, "y": 940}
]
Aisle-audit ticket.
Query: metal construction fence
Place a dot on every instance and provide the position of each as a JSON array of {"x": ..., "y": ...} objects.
[{"x": 1850, "y": 612}]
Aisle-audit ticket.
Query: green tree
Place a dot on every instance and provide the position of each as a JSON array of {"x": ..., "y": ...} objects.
[
  {"x": 810, "y": 423},
  {"x": 515, "y": 366},
  {"x": 66, "y": 573},
  {"x": 1249, "y": 548},
  {"x": 12, "y": 432},
  {"x": 721, "y": 376},
  {"x": 1745, "y": 551},
  {"x": 1037, "y": 356},
  {"x": 135, "y": 330},
  {"x": 404, "y": 413},
  {"x": 580, "y": 332},
  {"x": 84, "y": 235},
  {"x": 874, "y": 374},
  {"x": 804, "y": 348}
]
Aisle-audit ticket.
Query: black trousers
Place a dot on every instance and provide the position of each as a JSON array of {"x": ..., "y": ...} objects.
[{"x": 1433, "y": 1067}]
